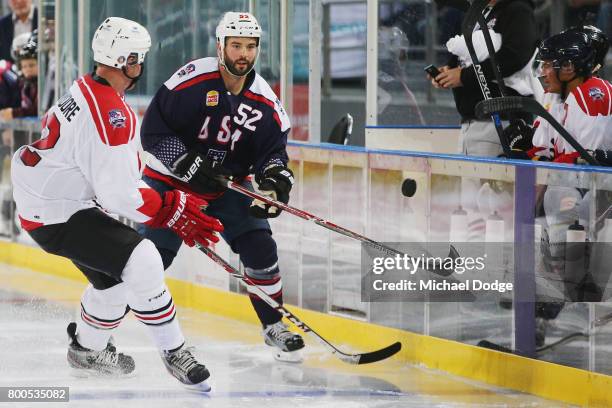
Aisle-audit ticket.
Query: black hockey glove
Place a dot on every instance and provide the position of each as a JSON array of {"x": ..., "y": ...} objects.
[
  {"x": 275, "y": 182},
  {"x": 520, "y": 135},
  {"x": 201, "y": 174}
]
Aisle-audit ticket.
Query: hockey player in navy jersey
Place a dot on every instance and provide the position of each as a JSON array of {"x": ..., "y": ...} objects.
[
  {"x": 87, "y": 163},
  {"x": 217, "y": 116}
]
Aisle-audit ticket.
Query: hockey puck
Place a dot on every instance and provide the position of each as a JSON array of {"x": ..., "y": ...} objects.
[{"x": 409, "y": 187}]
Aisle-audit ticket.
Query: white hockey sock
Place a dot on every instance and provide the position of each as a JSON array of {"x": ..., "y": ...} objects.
[
  {"x": 101, "y": 312},
  {"x": 159, "y": 315},
  {"x": 150, "y": 298}
]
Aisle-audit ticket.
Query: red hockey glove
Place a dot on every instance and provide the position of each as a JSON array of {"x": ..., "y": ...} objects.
[
  {"x": 567, "y": 158},
  {"x": 183, "y": 214}
]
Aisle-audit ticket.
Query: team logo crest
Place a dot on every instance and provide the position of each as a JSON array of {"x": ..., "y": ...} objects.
[
  {"x": 212, "y": 98},
  {"x": 116, "y": 118},
  {"x": 216, "y": 156},
  {"x": 187, "y": 70},
  {"x": 596, "y": 94}
]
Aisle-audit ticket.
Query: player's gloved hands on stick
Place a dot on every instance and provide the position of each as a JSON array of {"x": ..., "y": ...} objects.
[
  {"x": 201, "y": 174},
  {"x": 275, "y": 182},
  {"x": 603, "y": 157},
  {"x": 183, "y": 214},
  {"x": 519, "y": 135}
]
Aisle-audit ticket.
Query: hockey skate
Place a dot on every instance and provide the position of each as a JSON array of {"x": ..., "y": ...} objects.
[
  {"x": 185, "y": 368},
  {"x": 105, "y": 362},
  {"x": 286, "y": 343}
]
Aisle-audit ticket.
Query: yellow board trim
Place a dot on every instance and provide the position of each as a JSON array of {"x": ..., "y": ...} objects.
[{"x": 535, "y": 377}]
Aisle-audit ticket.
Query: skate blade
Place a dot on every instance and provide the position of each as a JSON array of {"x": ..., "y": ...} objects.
[
  {"x": 79, "y": 373},
  {"x": 204, "y": 386},
  {"x": 294, "y": 357}
]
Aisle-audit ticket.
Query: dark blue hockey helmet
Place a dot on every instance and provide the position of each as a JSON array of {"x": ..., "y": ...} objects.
[
  {"x": 599, "y": 40},
  {"x": 569, "y": 48}
]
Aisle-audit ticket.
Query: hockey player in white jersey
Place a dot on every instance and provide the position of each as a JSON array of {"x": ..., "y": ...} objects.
[
  {"x": 85, "y": 165},
  {"x": 582, "y": 103},
  {"x": 575, "y": 96},
  {"x": 567, "y": 62}
]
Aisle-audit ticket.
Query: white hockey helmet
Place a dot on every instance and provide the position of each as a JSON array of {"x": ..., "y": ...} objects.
[
  {"x": 117, "y": 39},
  {"x": 237, "y": 24}
]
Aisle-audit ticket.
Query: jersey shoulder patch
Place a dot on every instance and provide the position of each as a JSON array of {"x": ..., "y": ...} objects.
[
  {"x": 114, "y": 120},
  {"x": 594, "y": 97},
  {"x": 261, "y": 91},
  {"x": 194, "y": 72}
]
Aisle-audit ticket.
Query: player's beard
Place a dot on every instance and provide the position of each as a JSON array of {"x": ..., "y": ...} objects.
[{"x": 232, "y": 66}]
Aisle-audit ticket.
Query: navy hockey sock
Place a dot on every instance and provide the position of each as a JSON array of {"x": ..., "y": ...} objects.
[{"x": 257, "y": 251}]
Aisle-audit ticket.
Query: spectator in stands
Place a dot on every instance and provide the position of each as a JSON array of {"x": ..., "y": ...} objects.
[
  {"x": 27, "y": 59},
  {"x": 513, "y": 28},
  {"x": 23, "y": 101},
  {"x": 22, "y": 19},
  {"x": 582, "y": 12}
]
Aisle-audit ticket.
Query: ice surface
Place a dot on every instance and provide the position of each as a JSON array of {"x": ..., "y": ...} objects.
[{"x": 35, "y": 309}]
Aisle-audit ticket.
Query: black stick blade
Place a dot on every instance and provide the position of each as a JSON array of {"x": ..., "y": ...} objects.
[
  {"x": 493, "y": 346},
  {"x": 380, "y": 355},
  {"x": 486, "y": 108}
]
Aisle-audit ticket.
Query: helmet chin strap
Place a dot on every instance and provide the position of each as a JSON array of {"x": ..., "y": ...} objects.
[
  {"x": 134, "y": 79},
  {"x": 220, "y": 55},
  {"x": 564, "y": 84}
]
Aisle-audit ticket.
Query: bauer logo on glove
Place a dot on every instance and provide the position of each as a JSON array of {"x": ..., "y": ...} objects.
[{"x": 200, "y": 173}]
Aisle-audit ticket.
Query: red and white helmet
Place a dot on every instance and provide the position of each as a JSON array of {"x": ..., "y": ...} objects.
[
  {"x": 117, "y": 39},
  {"x": 237, "y": 24}
]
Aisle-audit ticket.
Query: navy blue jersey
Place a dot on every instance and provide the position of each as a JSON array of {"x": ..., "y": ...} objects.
[{"x": 194, "y": 110}]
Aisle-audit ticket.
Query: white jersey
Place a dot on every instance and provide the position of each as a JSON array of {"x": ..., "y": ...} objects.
[
  {"x": 586, "y": 114},
  {"x": 88, "y": 156}
]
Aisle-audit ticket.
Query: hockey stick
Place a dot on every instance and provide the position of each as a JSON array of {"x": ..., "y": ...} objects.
[
  {"x": 523, "y": 103},
  {"x": 453, "y": 254},
  {"x": 602, "y": 321},
  {"x": 474, "y": 15},
  {"x": 363, "y": 358},
  {"x": 491, "y": 49}
]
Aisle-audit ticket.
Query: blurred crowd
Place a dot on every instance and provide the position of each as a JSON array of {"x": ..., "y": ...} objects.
[{"x": 18, "y": 92}]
